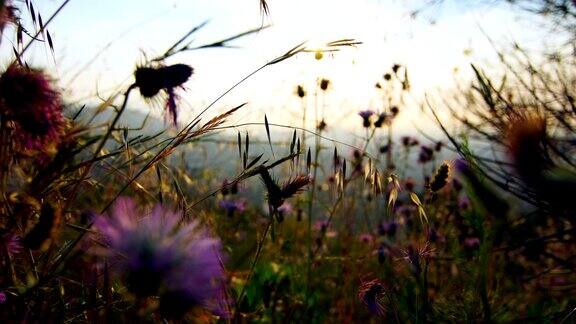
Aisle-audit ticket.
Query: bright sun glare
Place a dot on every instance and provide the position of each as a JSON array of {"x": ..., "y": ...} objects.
[{"x": 388, "y": 34}]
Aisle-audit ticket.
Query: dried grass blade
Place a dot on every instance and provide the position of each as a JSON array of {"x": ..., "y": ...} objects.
[{"x": 268, "y": 133}]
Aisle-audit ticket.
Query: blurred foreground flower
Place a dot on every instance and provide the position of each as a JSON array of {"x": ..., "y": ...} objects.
[
  {"x": 158, "y": 256},
  {"x": 28, "y": 98}
]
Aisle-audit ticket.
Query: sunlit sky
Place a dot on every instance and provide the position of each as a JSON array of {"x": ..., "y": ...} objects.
[{"x": 432, "y": 46}]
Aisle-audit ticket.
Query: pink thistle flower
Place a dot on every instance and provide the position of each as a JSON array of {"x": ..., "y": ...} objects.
[
  {"x": 471, "y": 243},
  {"x": 28, "y": 99},
  {"x": 286, "y": 208},
  {"x": 157, "y": 255},
  {"x": 366, "y": 238},
  {"x": 321, "y": 225}
]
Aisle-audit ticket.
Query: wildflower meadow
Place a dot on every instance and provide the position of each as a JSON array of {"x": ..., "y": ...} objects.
[{"x": 145, "y": 202}]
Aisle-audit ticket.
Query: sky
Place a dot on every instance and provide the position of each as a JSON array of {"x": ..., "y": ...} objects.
[{"x": 98, "y": 44}]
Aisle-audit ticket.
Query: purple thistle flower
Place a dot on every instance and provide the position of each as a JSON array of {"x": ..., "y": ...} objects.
[
  {"x": 471, "y": 243},
  {"x": 283, "y": 210},
  {"x": 383, "y": 118},
  {"x": 3, "y": 297},
  {"x": 321, "y": 225},
  {"x": 439, "y": 145},
  {"x": 406, "y": 140},
  {"x": 462, "y": 166},
  {"x": 11, "y": 244},
  {"x": 366, "y": 114},
  {"x": 156, "y": 255},
  {"x": 435, "y": 236},
  {"x": 388, "y": 228},
  {"x": 405, "y": 210},
  {"x": 384, "y": 148},
  {"x": 382, "y": 253},
  {"x": 426, "y": 154},
  {"x": 371, "y": 293},
  {"x": 232, "y": 206},
  {"x": 464, "y": 203},
  {"x": 28, "y": 99}
]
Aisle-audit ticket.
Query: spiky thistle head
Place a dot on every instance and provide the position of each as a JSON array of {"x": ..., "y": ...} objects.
[
  {"x": 324, "y": 84},
  {"x": 371, "y": 294},
  {"x": 276, "y": 194},
  {"x": 295, "y": 185},
  {"x": 383, "y": 118},
  {"x": 30, "y": 101},
  {"x": 415, "y": 255},
  {"x": 300, "y": 91},
  {"x": 152, "y": 80},
  {"x": 526, "y": 140},
  {"x": 426, "y": 154}
]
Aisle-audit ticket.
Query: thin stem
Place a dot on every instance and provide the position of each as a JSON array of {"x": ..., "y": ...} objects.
[
  {"x": 253, "y": 266},
  {"x": 102, "y": 143}
]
